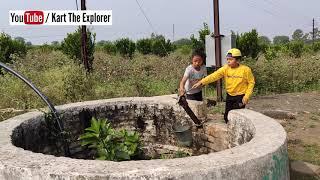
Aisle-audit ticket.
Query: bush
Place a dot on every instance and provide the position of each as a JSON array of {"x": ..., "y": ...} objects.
[
  {"x": 270, "y": 53},
  {"x": 110, "y": 144},
  {"x": 144, "y": 46},
  {"x": 248, "y": 43},
  {"x": 71, "y": 46},
  {"x": 296, "y": 48},
  {"x": 125, "y": 47},
  {"x": 110, "y": 48},
  {"x": 10, "y": 47},
  {"x": 77, "y": 85},
  {"x": 160, "y": 46},
  {"x": 316, "y": 46},
  {"x": 199, "y": 44}
]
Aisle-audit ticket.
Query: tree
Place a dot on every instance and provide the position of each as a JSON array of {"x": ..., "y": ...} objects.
[
  {"x": 296, "y": 48},
  {"x": 71, "y": 46},
  {"x": 9, "y": 46},
  {"x": 144, "y": 46},
  {"x": 278, "y": 40},
  {"x": 21, "y": 39},
  {"x": 297, "y": 35},
  {"x": 316, "y": 34},
  {"x": 125, "y": 47},
  {"x": 248, "y": 43},
  {"x": 182, "y": 42},
  {"x": 264, "y": 42},
  {"x": 199, "y": 44},
  {"x": 161, "y": 46}
]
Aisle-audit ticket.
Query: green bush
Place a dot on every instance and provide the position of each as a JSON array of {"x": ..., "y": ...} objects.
[
  {"x": 144, "y": 46},
  {"x": 125, "y": 47},
  {"x": 160, "y": 46},
  {"x": 77, "y": 85},
  {"x": 10, "y": 47},
  {"x": 110, "y": 144},
  {"x": 110, "y": 48},
  {"x": 71, "y": 46},
  {"x": 248, "y": 43},
  {"x": 296, "y": 48},
  {"x": 270, "y": 54},
  {"x": 199, "y": 44},
  {"x": 316, "y": 46}
]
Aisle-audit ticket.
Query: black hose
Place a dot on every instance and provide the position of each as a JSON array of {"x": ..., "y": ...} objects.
[{"x": 46, "y": 100}]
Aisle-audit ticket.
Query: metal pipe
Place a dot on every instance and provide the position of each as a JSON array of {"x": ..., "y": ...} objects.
[{"x": 45, "y": 99}]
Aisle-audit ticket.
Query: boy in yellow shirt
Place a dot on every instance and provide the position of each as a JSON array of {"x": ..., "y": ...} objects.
[{"x": 238, "y": 78}]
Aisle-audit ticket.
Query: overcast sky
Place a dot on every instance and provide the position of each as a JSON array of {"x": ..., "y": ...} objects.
[{"x": 269, "y": 17}]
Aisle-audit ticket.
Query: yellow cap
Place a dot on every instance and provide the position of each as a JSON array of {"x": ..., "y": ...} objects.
[{"x": 234, "y": 52}]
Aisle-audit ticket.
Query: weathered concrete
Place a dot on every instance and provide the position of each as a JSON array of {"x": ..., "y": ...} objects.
[{"x": 263, "y": 157}]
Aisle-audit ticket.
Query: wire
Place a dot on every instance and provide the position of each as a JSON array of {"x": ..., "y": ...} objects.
[{"x": 150, "y": 24}]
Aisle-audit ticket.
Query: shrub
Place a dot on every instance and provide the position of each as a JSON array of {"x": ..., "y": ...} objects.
[
  {"x": 125, "y": 47},
  {"x": 296, "y": 48},
  {"x": 316, "y": 46},
  {"x": 144, "y": 46},
  {"x": 248, "y": 43},
  {"x": 160, "y": 46},
  {"x": 9, "y": 47},
  {"x": 110, "y": 48},
  {"x": 71, "y": 46},
  {"x": 110, "y": 144},
  {"x": 199, "y": 44},
  {"x": 270, "y": 53}
]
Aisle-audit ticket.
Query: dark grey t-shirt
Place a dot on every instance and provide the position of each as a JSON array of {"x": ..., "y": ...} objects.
[{"x": 193, "y": 76}]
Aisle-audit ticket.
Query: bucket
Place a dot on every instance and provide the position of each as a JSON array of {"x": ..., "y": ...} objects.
[{"x": 183, "y": 133}]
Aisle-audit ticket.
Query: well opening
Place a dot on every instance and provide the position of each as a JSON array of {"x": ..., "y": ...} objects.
[{"x": 155, "y": 124}]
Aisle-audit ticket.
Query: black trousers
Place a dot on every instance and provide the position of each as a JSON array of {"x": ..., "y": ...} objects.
[
  {"x": 195, "y": 96},
  {"x": 233, "y": 102}
]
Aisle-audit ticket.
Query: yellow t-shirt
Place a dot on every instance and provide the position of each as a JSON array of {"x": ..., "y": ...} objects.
[{"x": 237, "y": 80}]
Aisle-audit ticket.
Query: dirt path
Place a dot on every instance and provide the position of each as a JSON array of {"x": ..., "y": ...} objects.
[{"x": 304, "y": 124}]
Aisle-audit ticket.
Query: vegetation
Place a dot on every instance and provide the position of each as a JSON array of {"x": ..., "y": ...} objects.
[
  {"x": 11, "y": 47},
  {"x": 279, "y": 67},
  {"x": 71, "y": 46},
  {"x": 109, "y": 143}
]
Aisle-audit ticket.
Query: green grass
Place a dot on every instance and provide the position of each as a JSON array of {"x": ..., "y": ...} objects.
[{"x": 304, "y": 152}]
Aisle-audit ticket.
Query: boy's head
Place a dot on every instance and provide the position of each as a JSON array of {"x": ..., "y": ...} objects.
[
  {"x": 198, "y": 58},
  {"x": 233, "y": 57}
]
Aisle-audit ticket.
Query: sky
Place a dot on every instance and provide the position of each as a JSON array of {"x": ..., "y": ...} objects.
[{"x": 269, "y": 17}]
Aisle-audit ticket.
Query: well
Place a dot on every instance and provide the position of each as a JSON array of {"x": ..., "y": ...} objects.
[{"x": 252, "y": 146}]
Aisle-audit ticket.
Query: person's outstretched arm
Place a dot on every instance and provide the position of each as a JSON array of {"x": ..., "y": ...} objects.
[{"x": 211, "y": 78}]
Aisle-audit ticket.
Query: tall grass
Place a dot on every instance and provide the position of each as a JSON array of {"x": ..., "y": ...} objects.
[{"x": 64, "y": 81}]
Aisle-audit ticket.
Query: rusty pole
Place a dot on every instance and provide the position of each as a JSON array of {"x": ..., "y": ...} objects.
[
  {"x": 217, "y": 40},
  {"x": 84, "y": 51}
]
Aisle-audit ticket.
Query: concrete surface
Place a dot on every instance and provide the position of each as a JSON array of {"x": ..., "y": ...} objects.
[{"x": 263, "y": 157}]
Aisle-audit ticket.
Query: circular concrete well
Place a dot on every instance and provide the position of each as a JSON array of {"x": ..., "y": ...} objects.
[{"x": 252, "y": 146}]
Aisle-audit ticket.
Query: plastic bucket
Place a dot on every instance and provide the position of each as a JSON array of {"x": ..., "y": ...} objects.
[{"x": 183, "y": 133}]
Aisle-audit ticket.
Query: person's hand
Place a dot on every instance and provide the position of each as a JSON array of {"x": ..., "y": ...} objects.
[
  {"x": 182, "y": 92},
  {"x": 196, "y": 85},
  {"x": 245, "y": 101}
]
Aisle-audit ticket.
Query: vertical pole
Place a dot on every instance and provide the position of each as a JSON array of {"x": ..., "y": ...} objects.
[
  {"x": 313, "y": 35},
  {"x": 84, "y": 41},
  {"x": 217, "y": 41},
  {"x": 173, "y": 33}
]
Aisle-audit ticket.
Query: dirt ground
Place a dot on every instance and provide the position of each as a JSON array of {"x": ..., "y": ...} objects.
[{"x": 303, "y": 109}]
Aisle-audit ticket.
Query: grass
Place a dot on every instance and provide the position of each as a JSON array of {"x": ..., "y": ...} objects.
[
  {"x": 299, "y": 151},
  {"x": 9, "y": 114}
]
